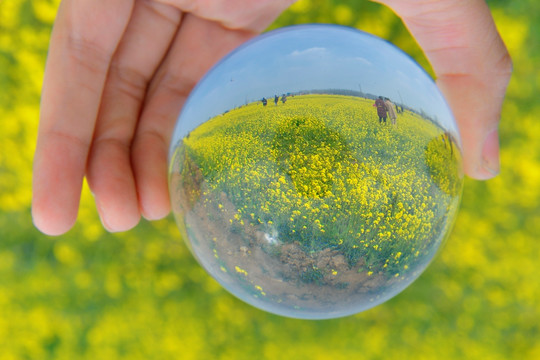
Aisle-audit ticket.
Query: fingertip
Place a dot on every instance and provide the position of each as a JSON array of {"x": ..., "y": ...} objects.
[
  {"x": 115, "y": 222},
  {"x": 51, "y": 222},
  {"x": 155, "y": 204},
  {"x": 480, "y": 173},
  {"x": 488, "y": 164},
  {"x": 55, "y": 199},
  {"x": 149, "y": 158},
  {"x": 113, "y": 226},
  {"x": 154, "y": 198},
  {"x": 490, "y": 153},
  {"x": 111, "y": 180},
  {"x": 155, "y": 213}
]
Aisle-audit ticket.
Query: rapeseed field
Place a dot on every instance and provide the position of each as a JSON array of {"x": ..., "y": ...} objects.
[
  {"x": 322, "y": 173},
  {"x": 90, "y": 294}
]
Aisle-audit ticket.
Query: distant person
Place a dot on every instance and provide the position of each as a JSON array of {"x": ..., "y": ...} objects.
[
  {"x": 447, "y": 139},
  {"x": 284, "y": 98},
  {"x": 264, "y": 101},
  {"x": 391, "y": 111},
  {"x": 276, "y": 99},
  {"x": 381, "y": 109}
]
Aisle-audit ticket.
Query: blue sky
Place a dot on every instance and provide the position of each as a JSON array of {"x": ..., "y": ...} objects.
[{"x": 311, "y": 57}]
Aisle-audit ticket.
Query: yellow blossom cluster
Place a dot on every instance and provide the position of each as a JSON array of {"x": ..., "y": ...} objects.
[{"x": 322, "y": 172}]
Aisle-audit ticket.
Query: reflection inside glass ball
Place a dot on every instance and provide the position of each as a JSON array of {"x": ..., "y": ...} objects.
[{"x": 315, "y": 171}]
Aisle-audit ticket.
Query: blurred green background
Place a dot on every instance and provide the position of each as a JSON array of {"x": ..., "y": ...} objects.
[{"x": 141, "y": 295}]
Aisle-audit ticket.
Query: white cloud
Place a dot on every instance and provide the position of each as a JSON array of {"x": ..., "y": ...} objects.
[
  {"x": 363, "y": 60},
  {"x": 314, "y": 51}
]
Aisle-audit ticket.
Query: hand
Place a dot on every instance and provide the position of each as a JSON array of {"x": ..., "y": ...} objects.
[
  {"x": 118, "y": 73},
  {"x": 472, "y": 67},
  {"x": 116, "y": 77}
]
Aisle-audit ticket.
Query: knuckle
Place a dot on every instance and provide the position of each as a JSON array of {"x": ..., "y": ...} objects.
[
  {"x": 87, "y": 54},
  {"x": 129, "y": 81}
]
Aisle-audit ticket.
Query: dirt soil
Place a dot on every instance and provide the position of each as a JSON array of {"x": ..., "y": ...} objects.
[{"x": 270, "y": 268}]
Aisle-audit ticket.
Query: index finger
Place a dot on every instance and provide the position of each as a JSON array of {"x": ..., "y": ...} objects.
[{"x": 84, "y": 38}]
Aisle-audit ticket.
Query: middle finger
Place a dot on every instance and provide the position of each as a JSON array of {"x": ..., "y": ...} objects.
[
  {"x": 146, "y": 41},
  {"x": 198, "y": 45}
]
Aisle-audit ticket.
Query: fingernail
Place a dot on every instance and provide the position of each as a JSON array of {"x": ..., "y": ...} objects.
[
  {"x": 102, "y": 217},
  {"x": 490, "y": 153}
]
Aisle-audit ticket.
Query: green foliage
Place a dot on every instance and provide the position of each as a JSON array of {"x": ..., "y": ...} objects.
[
  {"x": 297, "y": 141},
  {"x": 442, "y": 159},
  {"x": 140, "y": 295},
  {"x": 326, "y": 174}
]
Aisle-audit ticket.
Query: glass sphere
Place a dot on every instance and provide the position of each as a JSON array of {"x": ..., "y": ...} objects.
[{"x": 315, "y": 171}]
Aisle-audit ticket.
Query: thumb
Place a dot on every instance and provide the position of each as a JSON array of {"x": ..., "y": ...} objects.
[{"x": 472, "y": 66}]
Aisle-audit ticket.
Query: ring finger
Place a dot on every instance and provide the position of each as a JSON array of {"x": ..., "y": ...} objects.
[{"x": 147, "y": 38}]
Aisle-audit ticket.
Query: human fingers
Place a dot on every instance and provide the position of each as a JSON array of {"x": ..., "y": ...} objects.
[
  {"x": 235, "y": 14},
  {"x": 198, "y": 45},
  {"x": 145, "y": 42},
  {"x": 84, "y": 38},
  {"x": 473, "y": 67}
]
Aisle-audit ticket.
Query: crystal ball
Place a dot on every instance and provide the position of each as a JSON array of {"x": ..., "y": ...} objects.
[{"x": 315, "y": 171}]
